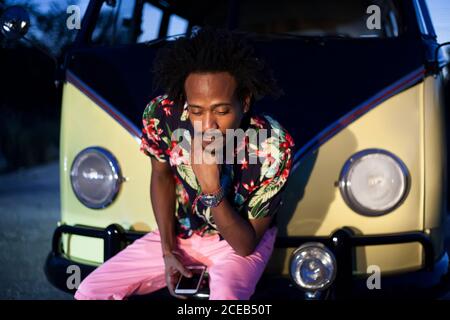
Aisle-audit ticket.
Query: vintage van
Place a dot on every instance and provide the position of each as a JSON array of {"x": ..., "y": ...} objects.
[{"x": 365, "y": 206}]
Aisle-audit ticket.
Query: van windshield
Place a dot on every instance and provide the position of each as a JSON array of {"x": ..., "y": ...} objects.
[
  {"x": 343, "y": 18},
  {"x": 135, "y": 21}
]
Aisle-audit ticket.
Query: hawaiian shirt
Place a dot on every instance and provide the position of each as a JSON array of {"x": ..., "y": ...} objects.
[{"x": 253, "y": 188}]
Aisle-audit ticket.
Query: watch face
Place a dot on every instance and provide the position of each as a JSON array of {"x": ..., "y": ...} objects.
[
  {"x": 212, "y": 200},
  {"x": 208, "y": 200}
]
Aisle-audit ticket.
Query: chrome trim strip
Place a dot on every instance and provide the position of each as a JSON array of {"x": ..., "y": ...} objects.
[{"x": 420, "y": 19}]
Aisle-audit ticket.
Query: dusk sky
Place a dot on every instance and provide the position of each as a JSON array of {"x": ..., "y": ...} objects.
[{"x": 440, "y": 14}]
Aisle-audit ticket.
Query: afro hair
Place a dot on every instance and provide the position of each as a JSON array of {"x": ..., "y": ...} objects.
[{"x": 213, "y": 50}]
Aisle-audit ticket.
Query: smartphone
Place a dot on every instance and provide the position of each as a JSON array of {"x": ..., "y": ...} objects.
[{"x": 191, "y": 285}]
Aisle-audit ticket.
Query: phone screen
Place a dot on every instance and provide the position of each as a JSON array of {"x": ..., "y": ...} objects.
[{"x": 192, "y": 282}]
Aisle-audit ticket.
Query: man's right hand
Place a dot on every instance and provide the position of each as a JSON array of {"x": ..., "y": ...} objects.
[
  {"x": 174, "y": 269},
  {"x": 163, "y": 198}
]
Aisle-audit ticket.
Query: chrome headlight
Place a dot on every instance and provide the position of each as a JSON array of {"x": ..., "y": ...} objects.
[
  {"x": 95, "y": 177},
  {"x": 374, "y": 182},
  {"x": 313, "y": 267}
]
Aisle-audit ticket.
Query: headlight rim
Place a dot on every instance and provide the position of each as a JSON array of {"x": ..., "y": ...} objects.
[
  {"x": 326, "y": 250},
  {"x": 344, "y": 186},
  {"x": 115, "y": 167}
]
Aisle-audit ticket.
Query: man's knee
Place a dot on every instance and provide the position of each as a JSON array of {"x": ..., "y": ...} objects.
[
  {"x": 92, "y": 290},
  {"x": 84, "y": 291}
]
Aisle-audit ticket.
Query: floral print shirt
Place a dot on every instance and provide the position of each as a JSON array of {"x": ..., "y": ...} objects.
[{"x": 253, "y": 188}]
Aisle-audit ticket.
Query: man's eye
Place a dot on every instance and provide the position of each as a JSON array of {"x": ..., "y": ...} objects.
[
  {"x": 222, "y": 112},
  {"x": 195, "y": 112}
]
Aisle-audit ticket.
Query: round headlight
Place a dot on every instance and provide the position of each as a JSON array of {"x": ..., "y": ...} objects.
[
  {"x": 313, "y": 267},
  {"x": 95, "y": 177},
  {"x": 374, "y": 182}
]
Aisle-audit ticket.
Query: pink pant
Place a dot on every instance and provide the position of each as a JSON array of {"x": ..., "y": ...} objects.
[{"x": 139, "y": 268}]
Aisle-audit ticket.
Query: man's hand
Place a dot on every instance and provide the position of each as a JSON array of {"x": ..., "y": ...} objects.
[
  {"x": 174, "y": 269},
  {"x": 205, "y": 168}
]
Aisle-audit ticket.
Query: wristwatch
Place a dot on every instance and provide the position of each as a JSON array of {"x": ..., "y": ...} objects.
[{"x": 212, "y": 200}]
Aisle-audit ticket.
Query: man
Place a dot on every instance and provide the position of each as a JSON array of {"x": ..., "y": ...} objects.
[{"x": 213, "y": 203}]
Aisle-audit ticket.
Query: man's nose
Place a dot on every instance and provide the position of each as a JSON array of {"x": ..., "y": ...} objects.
[{"x": 209, "y": 122}]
